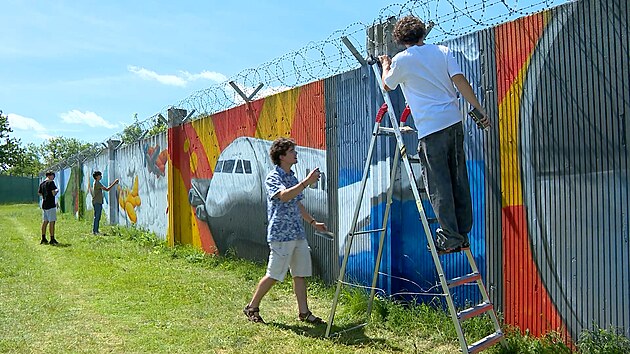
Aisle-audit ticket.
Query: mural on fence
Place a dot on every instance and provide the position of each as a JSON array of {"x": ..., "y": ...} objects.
[
  {"x": 220, "y": 163},
  {"x": 142, "y": 168},
  {"x": 70, "y": 194},
  {"x": 100, "y": 163},
  {"x": 562, "y": 121}
]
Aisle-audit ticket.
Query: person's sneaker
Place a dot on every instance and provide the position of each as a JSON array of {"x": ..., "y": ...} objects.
[
  {"x": 442, "y": 250},
  {"x": 53, "y": 242},
  {"x": 43, "y": 242}
]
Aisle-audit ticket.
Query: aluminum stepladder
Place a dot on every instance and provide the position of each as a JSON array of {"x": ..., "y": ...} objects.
[{"x": 446, "y": 285}]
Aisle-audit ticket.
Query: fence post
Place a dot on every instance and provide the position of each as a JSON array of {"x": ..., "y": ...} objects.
[
  {"x": 112, "y": 145},
  {"x": 175, "y": 119}
]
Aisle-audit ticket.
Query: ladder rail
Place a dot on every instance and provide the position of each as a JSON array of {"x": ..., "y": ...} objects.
[
  {"x": 381, "y": 242},
  {"x": 350, "y": 235},
  {"x": 482, "y": 290}
]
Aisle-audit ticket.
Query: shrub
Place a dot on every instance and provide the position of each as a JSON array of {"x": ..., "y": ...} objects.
[{"x": 600, "y": 341}]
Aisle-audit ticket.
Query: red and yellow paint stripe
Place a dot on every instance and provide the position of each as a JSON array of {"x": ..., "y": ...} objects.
[{"x": 527, "y": 302}]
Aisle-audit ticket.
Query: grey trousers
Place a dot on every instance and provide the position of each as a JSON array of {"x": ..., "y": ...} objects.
[{"x": 446, "y": 181}]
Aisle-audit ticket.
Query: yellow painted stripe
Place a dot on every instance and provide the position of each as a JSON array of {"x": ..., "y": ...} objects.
[
  {"x": 185, "y": 230},
  {"x": 277, "y": 115},
  {"x": 208, "y": 137},
  {"x": 509, "y": 110}
]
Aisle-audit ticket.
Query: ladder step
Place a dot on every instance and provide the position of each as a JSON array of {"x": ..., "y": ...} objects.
[
  {"x": 474, "y": 311},
  {"x": 413, "y": 159},
  {"x": 468, "y": 278},
  {"x": 485, "y": 343},
  {"x": 389, "y": 131},
  {"x": 367, "y": 232}
]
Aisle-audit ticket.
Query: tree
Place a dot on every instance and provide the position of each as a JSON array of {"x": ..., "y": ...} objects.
[
  {"x": 58, "y": 149},
  {"x": 10, "y": 148},
  {"x": 28, "y": 162},
  {"x": 159, "y": 125},
  {"x": 133, "y": 132}
]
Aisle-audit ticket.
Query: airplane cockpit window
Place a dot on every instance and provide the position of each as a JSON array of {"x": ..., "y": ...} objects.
[
  {"x": 217, "y": 169},
  {"x": 228, "y": 166},
  {"x": 247, "y": 165},
  {"x": 239, "y": 166}
]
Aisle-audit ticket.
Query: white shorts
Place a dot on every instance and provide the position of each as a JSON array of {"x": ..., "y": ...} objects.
[
  {"x": 294, "y": 255},
  {"x": 49, "y": 214}
]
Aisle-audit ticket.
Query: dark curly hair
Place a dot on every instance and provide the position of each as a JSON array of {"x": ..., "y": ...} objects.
[
  {"x": 409, "y": 30},
  {"x": 280, "y": 147}
]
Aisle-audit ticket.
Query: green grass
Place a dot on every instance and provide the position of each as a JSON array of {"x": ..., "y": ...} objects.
[{"x": 127, "y": 292}]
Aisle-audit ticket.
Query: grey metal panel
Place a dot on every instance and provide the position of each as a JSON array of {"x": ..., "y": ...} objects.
[
  {"x": 492, "y": 187},
  {"x": 331, "y": 252},
  {"x": 574, "y": 121},
  {"x": 323, "y": 250},
  {"x": 354, "y": 107}
]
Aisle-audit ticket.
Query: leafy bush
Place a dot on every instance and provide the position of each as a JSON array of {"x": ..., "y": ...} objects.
[{"x": 603, "y": 341}]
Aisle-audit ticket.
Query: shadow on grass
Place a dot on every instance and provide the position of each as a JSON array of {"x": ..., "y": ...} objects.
[
  {"x": 61, "y": 245},
  {"x": 351, "y": 334}
]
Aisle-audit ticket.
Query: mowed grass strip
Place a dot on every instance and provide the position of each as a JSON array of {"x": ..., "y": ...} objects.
[{"x": 128, "y": 292}]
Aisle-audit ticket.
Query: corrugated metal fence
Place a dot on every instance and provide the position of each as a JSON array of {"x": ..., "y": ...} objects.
[{"x": 549, "y": 181}]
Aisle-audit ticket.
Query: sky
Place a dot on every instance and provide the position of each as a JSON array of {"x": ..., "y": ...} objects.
[{"x": 82, "y": 69}]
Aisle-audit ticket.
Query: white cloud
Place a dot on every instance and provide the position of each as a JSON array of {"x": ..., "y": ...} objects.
[
  {"x": 88, "y": 118},
  {"x": 17, "y": 122},
  {"x": 180, "y": 80},
  {"x": 45, "y": 136},
  {"x": 152, "y": 75},
  {"x": 206, "y": 75}
]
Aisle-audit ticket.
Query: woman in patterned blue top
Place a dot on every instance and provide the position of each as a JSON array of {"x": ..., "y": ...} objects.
[{"x": 285, "y": 233}]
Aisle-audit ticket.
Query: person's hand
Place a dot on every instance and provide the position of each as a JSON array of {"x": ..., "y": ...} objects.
[
  {"x": 485, "y": 122},
  {"x": 479, "y": 115},
  {"x": 385, "y": 60},
  {"x": 320, "y": 226},
  {"x": 312, "y": 177}
]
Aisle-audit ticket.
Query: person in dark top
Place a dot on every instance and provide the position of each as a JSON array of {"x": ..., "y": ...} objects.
[
  {"x": 97, "y": 198},
  {"x": 48, "y": 190}
]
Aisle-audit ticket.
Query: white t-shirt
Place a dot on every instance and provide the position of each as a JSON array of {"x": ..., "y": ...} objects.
[{"x": 424, "y": 73}]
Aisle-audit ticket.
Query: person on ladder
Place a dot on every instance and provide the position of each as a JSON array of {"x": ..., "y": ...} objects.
[{"x": 428, "y": 75}]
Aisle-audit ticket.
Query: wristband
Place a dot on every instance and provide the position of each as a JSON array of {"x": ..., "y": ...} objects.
[{"x": 312, "y": 221}]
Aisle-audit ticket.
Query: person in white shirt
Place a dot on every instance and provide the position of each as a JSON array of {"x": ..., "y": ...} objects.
[{"x": 428, "y": 75}]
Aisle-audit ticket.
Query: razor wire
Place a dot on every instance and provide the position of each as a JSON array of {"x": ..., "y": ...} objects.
[
  {"x": 319, "y": 60},
  {"x": 329, "y": 57}
]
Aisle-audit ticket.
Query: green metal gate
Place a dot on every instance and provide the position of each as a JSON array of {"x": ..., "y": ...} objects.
[{"x": 18, "y": 189}]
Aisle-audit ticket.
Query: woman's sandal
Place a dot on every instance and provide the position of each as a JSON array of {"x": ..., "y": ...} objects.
[
  {"x": 253, "y": 314},
  {"x": 310, "y": 318}
]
